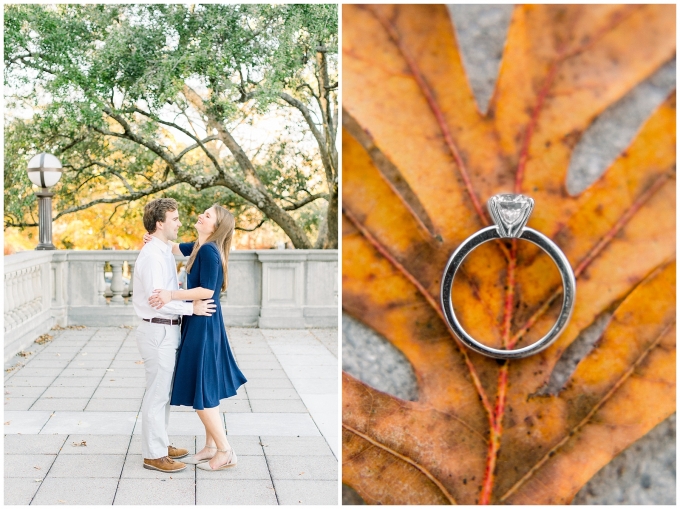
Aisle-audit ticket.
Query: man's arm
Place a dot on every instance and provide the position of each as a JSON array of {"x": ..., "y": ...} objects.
[{"x": 152, "y": 277}]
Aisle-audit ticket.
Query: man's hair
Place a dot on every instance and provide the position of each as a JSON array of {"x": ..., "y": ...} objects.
[{"x": 155, "y": 211}]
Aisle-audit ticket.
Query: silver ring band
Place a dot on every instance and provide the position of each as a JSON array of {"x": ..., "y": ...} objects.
[{"x": 498, "y": 231}]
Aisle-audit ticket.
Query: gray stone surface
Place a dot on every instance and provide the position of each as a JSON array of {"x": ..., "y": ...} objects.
[
  {"x": 161, "y": 491},
  {"x": 319, "y": 468},
  {"x": 34, "y": 444},
  {"x": 80, "y": 491},
  {"x": 33, "y": 466},
  {"x": 298, "y": 492},
  {"x": 90, "y": 456},
  {"x": 645, "y": 472},
  {"x": 371, "y": 359},
  {"x": 92, "y": 465},
  {"x": 295, "y": 446},
  {"x": 235, "y": 492},
  {"x": 20, "y": 491},
  {"x": 481, "y": 31}
]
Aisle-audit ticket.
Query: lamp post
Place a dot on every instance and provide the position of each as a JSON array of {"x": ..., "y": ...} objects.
[{"x": 44, "y": 170}]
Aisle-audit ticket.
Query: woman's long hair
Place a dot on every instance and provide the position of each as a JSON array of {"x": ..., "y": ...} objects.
[{"x": 224, "y": 231}]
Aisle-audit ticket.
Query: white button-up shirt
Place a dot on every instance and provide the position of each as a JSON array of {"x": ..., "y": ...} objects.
[{"x": 155, "y": 268}]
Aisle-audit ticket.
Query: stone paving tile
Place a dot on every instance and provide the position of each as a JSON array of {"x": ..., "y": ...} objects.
[
  {"x": 243, "y": 445},
  {"x": 246, "y": 365},
  {"x": 34, "y": 444},
  {"x": 311, "y": 372},
  {"x": 60, "y": 349},
  {"x": 76, "y": 381},
  {"x": 303, "y": 467},
  {"x": 114, "y": 405},
  {"x": 24, "y": 392},
  {"x": 30, "y": 381},
  {"x": 69, "y": 392},
  {"x": 113, "y": 380},
  {"x": 274, "y": 405},
  {"x": 232, "y": 405},
  {"x": 274, "y": 424},
  {"x": 268, "y": 393},
  {"x": 308, "y": 360},
  {"x": 83, "y": 373},
  {"x": 20, "y": 491},
  {"x": 94, "y": 423},
  {"x": 128, "y": 356},
  {"x": 34, "y": 466},
  {"x": 94, "y": 444},
  {"x": 268, "y": 383},
  {"x": 265, "y": 373},
  {"x": 25, "y": 422},
  {"x": 256, "y": 357},
  {"x": 155, "y": 492},
  {"x": 117, "y": 393},
  {"x": 248, "y": 467},
  {"x": 74, "y": 404},
  {"x": 235, "y": 492},
  {"x": 303, "y": 492},
  {"x": 42, "y": 372},
  {"x": 81, "y": 491},
  {"x": 87, "y": 356},
  {"x": 126, "y": 372},
  {"x": 18, "y": 403},
  {"x": 295, "y": 446},
  {"x": 85, "y": 363},
  {"x": 317, "y": 386},
  {"x": 49, "y": 363},
  {"x": 84, "y": 466}
]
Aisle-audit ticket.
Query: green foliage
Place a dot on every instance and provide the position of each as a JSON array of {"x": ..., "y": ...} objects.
[{"x": 70, "y": 68}]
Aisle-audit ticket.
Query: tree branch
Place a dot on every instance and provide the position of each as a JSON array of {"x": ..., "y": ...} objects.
[
  {"x": 212, "y": 158},
  {"x": 305, "y": 201},
  {"x": 195, "y": 146},
  {"x": 251, "y": 229}
]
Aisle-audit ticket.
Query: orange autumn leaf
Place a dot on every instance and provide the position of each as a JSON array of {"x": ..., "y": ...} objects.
[{"x": 419, "y": 163}]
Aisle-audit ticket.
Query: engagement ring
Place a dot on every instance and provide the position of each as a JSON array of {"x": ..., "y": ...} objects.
[{"x": 510, "y": 212}]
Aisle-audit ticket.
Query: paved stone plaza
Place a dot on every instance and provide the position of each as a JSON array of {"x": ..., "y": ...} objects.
[{"x": 72, "y": 423}]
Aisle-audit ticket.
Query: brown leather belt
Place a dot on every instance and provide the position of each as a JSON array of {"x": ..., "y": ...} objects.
[{"x": 163, "y": 321}]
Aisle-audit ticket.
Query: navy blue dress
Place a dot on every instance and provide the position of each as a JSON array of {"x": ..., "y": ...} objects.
[{"x": 206, "y": 370}]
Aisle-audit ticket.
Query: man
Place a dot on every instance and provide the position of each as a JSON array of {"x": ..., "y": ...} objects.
[{"x": 158, "y": 336}]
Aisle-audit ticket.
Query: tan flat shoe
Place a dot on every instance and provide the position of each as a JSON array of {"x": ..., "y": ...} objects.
[
  {"x": 193, "y": 461},
  {"x": 229, "y": 464}
]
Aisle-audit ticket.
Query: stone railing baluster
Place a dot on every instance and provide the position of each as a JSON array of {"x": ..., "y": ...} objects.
[{"x": 117, "y": 282}]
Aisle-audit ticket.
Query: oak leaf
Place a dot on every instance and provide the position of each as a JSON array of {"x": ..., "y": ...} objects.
[{"x": 419, "y": 163}]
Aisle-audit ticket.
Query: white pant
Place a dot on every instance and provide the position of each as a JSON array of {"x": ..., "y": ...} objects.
[{"x": 158, "y": 345}]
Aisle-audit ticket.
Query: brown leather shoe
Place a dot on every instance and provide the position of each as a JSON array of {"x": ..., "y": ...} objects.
[
  {"x": 164, "y": 464},
  {"x": 175, "y": 453}
]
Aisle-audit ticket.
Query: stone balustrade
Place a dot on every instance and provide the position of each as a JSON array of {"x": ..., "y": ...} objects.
[{"x": 267, "y": 288}]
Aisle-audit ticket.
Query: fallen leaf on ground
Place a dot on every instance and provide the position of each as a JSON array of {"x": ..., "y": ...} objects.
[
  {"x": 419, "y": 163},
  {"x": 45, "y": 338},
  {"x": 82, "y": 443},
  {"x": 139, "y": 362}
]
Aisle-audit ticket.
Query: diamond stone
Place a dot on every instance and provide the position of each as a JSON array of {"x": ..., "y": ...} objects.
[{"x": 510, "y": 212}]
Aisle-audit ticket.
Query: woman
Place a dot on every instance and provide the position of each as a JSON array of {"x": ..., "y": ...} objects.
[{"x": 206, "y": 371}]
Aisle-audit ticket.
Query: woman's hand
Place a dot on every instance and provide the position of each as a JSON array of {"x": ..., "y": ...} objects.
[
  {"x": 160, "y": 298},
  {"x": 147, "y": 237}
]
